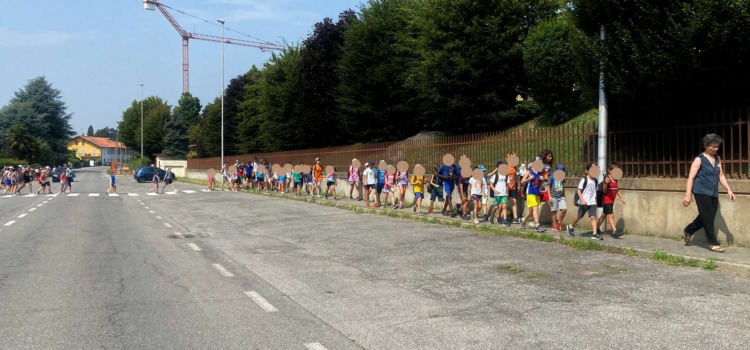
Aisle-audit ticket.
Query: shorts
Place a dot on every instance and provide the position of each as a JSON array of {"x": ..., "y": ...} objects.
[
  {"x": 388, "y": 189},
  {"x": 418, "y": 195},
  {"x": 545, "y": 197},
  {"x": 532, "y": 200},
  {"x": 476, "y": 197},
  {"x": 168, "y": 181},
  {"x": 514, "y": 194},
  {"x": 68, "y": 181},
  {"x": 369, "y": 188},
  {"x": 379, "y": 188},
  {"x": 7, "y": 182},
  {"x": 282, "y": 179},
  {"x": 586, "y": 209},
  {"x": 498, "y": 200},
  {"x": 609, "y": 208},
  {"x": 436, "y": 192},
  {"x": 556, "y": 204},
  {"x": 448, "y": 188},
  {"x": 224, "y": 178},
  {"x": 353, "y": 182},
  {"x": 46, "y": 183},
  {"x": 298, "y": 184}
]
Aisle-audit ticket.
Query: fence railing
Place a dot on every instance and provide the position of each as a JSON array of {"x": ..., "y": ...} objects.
[{"x": 640, "y": 152}]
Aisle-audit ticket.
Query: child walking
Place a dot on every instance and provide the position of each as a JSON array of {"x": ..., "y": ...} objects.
[
  {"x": 476, "y": 189},
  {"x": 533, "y": 201},
  {"x": 611, "y": 192},
  {"x": 331, "y": 182},
  {"x": 499, "y": 193},
  {"x": 112, "y": 184},
  {"x": 586, "y": 203},
  {"x": 557, "y": 202},
  {"x": 418, "y": 182},
  {"x": 353, "y": 176},
  {"x": 436, "y": 190}
]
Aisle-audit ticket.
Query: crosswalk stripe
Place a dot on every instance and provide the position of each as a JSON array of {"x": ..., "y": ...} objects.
[
  {"x": 73, "y": 194},
  {"x": 114, "y": 195},
  {"x": 133, "y": 194},
  {"x": 188, "y": 191},
  {"x": 152, "y": 194},
  {"x": 93, "y": 195}
]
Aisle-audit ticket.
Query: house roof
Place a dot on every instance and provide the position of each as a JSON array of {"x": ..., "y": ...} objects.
[{"x": 103, "y": 142}]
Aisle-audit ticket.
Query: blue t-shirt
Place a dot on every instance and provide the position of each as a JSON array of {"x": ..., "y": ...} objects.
[
  {"x": 449, "y": 173},
  {"x": 534, "y": 183},
  {"x": 112, "y": 180},
  {"x": 248, "y": 170},
  {"x": 381, "y": 176}
]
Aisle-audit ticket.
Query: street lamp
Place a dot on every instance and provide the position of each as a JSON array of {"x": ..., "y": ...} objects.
[
  {"x": 141, "y": 84},
  {"x": 222, "y": 89}
]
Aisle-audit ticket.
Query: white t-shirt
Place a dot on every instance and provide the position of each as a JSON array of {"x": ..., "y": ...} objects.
[
  {"x": 589, "y": 193},
  {"x": 369, "y": 176},
  {"x": 477, "y": 187},
  {"x": 502, "y": 184}
]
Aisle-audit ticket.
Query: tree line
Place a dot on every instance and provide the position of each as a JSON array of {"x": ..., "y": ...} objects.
[{"x": 397, "y": 67}]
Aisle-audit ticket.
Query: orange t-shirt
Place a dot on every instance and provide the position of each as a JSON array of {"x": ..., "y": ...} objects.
[
  {"x": 512, "y": 178},
  {"x": 317, "y": 171}
]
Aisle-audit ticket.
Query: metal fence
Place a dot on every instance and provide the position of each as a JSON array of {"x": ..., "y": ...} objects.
[{"x": 640, "y": 151}]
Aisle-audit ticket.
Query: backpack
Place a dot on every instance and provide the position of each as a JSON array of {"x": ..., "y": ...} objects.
[
  {"x": 600, "y": 195},
  {"x": 576, "y": 198},
  {"x": 494, "y": 183}
]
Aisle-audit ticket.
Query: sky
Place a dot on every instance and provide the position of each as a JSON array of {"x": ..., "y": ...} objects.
[{"x": 97, "y": 52}]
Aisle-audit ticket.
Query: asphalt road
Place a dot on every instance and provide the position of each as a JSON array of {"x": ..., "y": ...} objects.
[{"x": 222, "y": 270}]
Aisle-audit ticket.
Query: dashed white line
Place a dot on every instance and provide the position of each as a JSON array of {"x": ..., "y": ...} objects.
[
  {"x": 195, "y": 247},
  {"x": 224, "y": 272},
  {"x": 315, "y": 346},
  {"x": 168, "y": 224},
  {"x": 158, "y": 217},
  {"x": 114, "y": 194},
  {"x": 45, "y": 202},
  {"x": 73, "y": 194},
  {"x": 151, "y": 212},
  {"x": 32, "y": 209},
  {"x": 179, "y": 235},
  {"x": 152, "y": 194},
  {"x": 93, "y": 195},
  {"x": 22, "y": 215},
  {"x": 39, "y": 205},
  {"x": 8, "y": 196},
  {"x": 261, "y": 301},
  {"x": 188, "y": 191},
  {"x": 146, "y": 208},
  {"x": 170, "y": 192},
  {"x": 30, "y": 195},
  {"x": 9, "y": 223}
]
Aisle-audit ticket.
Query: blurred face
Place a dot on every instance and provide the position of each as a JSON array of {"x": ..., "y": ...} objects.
[
  {"x": 712, "y": 149},
  {"x": 549, "y": 157}
]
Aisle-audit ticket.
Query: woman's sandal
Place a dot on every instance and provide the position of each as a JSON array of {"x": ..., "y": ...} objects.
[
  {"x": 688, "y": 238},
  {"x": 716, "y": 248}
]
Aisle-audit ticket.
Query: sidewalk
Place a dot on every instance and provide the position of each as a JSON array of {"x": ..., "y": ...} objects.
[{"x": 735, "y": 260}]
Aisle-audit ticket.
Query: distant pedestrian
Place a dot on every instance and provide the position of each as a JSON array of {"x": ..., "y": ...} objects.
[
  {"x": 611, "y": 192},
  {"x": 112, "y": 184},
  {"x": 402, "y": 181},
  {"x": 557, "y": 204},
  {"x": 370, "y": 181},
  {"x": 436, "y": 191},
  {"x": 586, "y": 203},
  {"x": 353, "y": 176},
  {"x": 706, "y": 173},
  {"x": 331, "y": 182},
  {"x": 317, "y": 175},
  {"x": 476, "y": 191},
  {"x": 155, "y": 182},
  {"x": 211, "y": 184},
  {"x": 419, "y": 183},
  {"x": 225, "y": 176},
  {"x": 169, "y": 180}
]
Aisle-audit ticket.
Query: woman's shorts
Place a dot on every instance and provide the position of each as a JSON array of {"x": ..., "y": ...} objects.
[
  {"x": 476, "y": 197},
  {"x": 387, "y": 189},
  {"x": 514, "y": 194},
  {"x": 532, "y": 200},
  {"x": 609, "y": 209},
  {"x": 418, "y": 195}
]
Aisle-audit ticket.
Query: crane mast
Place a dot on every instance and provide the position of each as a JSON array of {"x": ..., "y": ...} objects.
[{"x": 152, "y": 5}]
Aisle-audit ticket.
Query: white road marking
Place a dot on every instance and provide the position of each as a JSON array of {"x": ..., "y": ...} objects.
[
  {"x": 224, "y": 272},
  {"x": 151, "y": 212},
  {"x": 22, "y": 215},
  {"x": 188, "y": 191},
  {"x": 261, "y": 301},
  {"x": 168, "y": 224},
  {"x": 143, "y": 203},
  {"x": 133, "y": 194},
  {"x": 45, "y": 202},
  {"x": 8, "y": 196},
  {"x": 30, "y": 195},
  {"x": 146, "y": 208},
  {"x": 39, "y": 205},
  {"x": 9, "y": 223},
  {"x": 195, "y": 247},
  {"x": 93, "y": 195},
  {"x": 179, "y": 235},
  {"x": 152, "y": 194},
  {"x": 32, "y": 209},
  {"x": 210, "y": 234},
  {"x": 158, "y": 217},
  {"x": 170, "y": 192},
  {"x": 113, "y": 194},
  {"x": 315, "y": 346},
  {"x": 73, "y": 194}
]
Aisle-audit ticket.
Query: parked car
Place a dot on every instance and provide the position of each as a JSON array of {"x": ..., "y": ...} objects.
[
  {"x": 56, "y": 174},
  {"x": 146, "y": 173}
]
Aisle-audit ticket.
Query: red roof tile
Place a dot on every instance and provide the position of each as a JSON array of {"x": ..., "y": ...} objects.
[{"x": 103, "y": 142}]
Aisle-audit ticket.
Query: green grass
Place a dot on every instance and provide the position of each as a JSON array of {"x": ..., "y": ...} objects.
[
  {"x": 629, "y": 251},
  {"x": 675, "y": 260},
  {"x": 514, "y": 268},
  {"x": 710, "y": 264},
  {"x": 583, "y": 244}
]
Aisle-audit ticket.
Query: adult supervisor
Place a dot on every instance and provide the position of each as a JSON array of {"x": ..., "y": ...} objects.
[{"x": 703, "y": 182}]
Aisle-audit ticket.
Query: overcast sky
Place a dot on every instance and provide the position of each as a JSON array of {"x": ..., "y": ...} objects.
[{"x": 97, "y": 52}]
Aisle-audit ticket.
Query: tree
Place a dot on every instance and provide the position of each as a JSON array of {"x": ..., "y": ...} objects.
[
  {"x": 210, "y": 129},
  {"x": 232, "y": 100},
  {"x": 376, "y": 103},
  {"x": 175, "y": 138},
  {"x": 188, "y": 109},
  {"x": 560, "y": 64},
  {"x": 320, "y": 56},
  {"x": 21, "y": 144},
  {"x": 249, "y": 113},
  {"x": 155, "y": 114},
  {"x": 90, "y": 131},
  {"x": 110, "y": 133},
  {"x": 49, "y": 113},
  {"x": 279, "y": 124}
]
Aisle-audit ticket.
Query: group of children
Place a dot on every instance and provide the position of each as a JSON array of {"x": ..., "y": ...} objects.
[
  {"x": 496, "y": 198},
  {"x": 15, "y": 179}
]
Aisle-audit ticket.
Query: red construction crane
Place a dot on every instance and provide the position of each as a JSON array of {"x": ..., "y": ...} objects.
[{"x": 154, "y": 4}]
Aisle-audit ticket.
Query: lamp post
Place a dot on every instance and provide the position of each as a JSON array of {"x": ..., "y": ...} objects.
[
  {"x": 222, "y": 89},
  {"x": 141, "y": 84}
]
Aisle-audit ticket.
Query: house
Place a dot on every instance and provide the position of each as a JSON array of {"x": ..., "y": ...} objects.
[{"x": 99, "y": 149}]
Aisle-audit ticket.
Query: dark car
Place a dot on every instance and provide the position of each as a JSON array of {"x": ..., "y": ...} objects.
[
  {"x": 146, "y": 173},
  {"x": 56, "y": 174}
]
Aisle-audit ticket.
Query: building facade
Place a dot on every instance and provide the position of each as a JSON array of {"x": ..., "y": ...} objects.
[{"x": 99, "y": 149}]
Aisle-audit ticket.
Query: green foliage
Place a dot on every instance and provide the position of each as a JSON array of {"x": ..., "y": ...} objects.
[
  {"x": 110, "y": 133},
  {"x": 560, "y": 67},
  {"x": 175, "y": 142},
  {"x": 90, "y": 131},
  {"x": 250, "y": 114},
  {"x": 11, "y": 162},
  {"x": 155, "y": 114},
  {"x": 210, "y": 129},
  {"x": 137, "y": 161},
  {"x": 21, "y": 144}
]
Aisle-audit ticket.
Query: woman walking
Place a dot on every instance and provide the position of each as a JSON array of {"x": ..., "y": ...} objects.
[{"x": 703, "y": 182}]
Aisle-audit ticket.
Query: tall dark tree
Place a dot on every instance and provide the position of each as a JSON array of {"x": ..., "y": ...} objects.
[
  {"x": 21, "y": 144},
  {"x": 210, "y": 129},
  {"x": 175, "y": 138},
  {"x": 234, "y": 94},
  {"x": 279, "y": 124},
  {"x": 90, "y": 131},
  {"x": 110, "y": 133},
  {"x": 376, "y": 103},
  {"x": 320, "y": 56},
  {"x": 188, "y": 109},
  {"x": 249, "y": 113},
  {"x": 51, "y": 113},
  {"x": 155, "y": 114}
]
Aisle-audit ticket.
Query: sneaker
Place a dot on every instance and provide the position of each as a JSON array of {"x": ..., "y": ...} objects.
[
  {"x": 377, "y": 205},
  {"x": 367, "y": 205},
  {"x": 517, "y": 221},
  {"x": 492, "y": 219},
  {"x": 401, "y": 206},
  {"x": 523, "y": 222},
  {"x": 539, "y": 229},
  {"x": 468, "y": 217},
  {"x": 597, "y": 236},
  {"x": 506, "y": 224},
  {"x": 571, "y": 230},
  {"x": 476, "y": 221}
]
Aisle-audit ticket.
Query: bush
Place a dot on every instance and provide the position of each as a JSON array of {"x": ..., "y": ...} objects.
[
  {"x": 11, "y": 161},
  {"x": 137, "y": 162}
]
